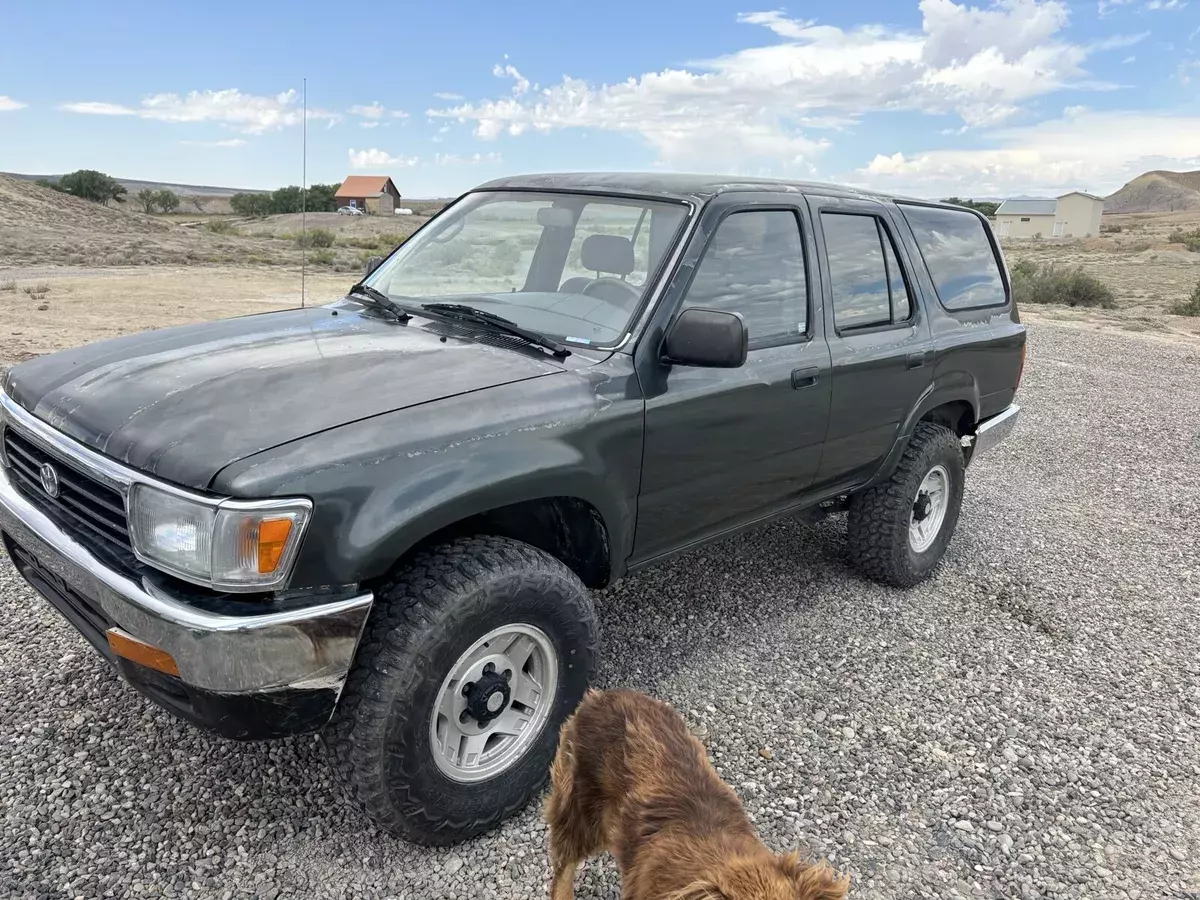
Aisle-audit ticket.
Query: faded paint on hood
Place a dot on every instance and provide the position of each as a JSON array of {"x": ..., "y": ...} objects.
[{"x": 182, "y": 403}]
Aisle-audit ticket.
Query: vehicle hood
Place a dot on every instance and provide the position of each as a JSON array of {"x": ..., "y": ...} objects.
[{"x": 182, "y": 403}]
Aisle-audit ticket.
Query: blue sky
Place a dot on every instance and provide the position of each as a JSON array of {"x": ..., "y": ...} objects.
[{"x": 931, "y": 97}]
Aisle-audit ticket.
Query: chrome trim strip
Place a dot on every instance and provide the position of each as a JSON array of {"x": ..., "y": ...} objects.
[
  {"x": 305, "y": 648},
  {"x": 122, "y": 479},
  {"x": 994, "y": 430}
]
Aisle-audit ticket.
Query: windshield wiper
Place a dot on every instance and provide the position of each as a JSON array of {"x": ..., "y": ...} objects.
[
  {"x": 380, "y": 300},
  {"x": 483, "y": 317}
]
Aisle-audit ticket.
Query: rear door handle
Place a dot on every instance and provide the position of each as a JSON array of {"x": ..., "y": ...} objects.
[
  {"x": 917, "y": 358},
  {"x": 806, "y": 377}
]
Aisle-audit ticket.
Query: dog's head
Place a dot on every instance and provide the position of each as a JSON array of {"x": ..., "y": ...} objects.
[{"x": 766, "y": 877}]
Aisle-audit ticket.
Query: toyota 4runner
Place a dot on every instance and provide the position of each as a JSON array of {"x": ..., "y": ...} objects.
[{"x": 381, "y": 518}]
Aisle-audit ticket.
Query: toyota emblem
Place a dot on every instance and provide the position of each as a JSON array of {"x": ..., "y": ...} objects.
[{"x": 49, "y": 478}]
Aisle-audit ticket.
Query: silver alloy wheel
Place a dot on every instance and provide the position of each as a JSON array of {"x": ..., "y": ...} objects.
[
  {"x": 929, "y": 509},
  {"x": 494, "y": 703}
]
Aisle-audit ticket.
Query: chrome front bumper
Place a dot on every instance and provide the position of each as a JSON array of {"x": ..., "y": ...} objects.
[
  {"x": 306, "y": 649},
  {"x": 994, "y": 430}
]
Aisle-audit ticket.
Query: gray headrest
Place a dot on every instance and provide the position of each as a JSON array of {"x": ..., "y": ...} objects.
[{"x": 607, "y": 253}]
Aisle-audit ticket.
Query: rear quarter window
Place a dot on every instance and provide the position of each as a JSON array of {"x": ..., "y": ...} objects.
[{"x": 959, "y": 256}]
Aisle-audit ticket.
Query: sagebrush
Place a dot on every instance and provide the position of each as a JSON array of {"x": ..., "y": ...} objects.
[
  {"x": 221, "y": 226},
  {"x": 1051, "y": 283},
  {"x": 1190, "y": 306},
  {"x": 319, "y": 237},
  {"x": 1190, "y": 239}
]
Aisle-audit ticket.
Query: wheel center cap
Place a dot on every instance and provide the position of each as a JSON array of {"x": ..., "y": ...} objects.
[
  {"x": 488, "y": 697},
  {"x": 921, "y": 507}
]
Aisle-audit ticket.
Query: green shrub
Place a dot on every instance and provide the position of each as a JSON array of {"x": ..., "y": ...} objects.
[
  {"x": 1111, "y": 229},
  {"x": 1051, "y": 283},
  {"x": 318, "y": 237},
  {"x": 1140, "y": 246},
  {"x": 322, "y": 257},
  {"x": 220, "y": 226},
  {"x": 1190, "y": 306},
  {"x": 1190, "y": 239}
]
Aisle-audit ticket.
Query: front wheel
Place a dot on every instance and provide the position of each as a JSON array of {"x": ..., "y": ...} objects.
[
  {"x": 898, "y": 531},
  {"x": 476, "y": 653}
]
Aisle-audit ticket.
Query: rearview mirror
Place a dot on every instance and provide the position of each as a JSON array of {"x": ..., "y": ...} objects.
[
  {"x": 555, "y": 217},
  {"x": 707, "y": 337},
  {"x": 373, "y": 263}
]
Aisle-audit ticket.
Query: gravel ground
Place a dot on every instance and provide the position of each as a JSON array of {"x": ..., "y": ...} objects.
[{"x": 1025, "y": 725}]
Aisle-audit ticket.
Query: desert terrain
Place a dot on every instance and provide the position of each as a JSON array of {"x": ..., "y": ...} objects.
[{"x": 72, "y": 271}]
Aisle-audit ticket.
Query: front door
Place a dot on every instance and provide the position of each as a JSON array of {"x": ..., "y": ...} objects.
[
  {"x": 724, "y": 447},
  {"x": 879, "y": 337}
]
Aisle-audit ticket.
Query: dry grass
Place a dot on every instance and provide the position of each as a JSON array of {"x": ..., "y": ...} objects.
[{"x": 1150, "y": 275}]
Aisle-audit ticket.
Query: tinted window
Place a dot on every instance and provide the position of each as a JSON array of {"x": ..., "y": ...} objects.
[
  {"x": 866, "y": 280},
  {"x": 901, "y": 306},
  {"x": 754, "y": 265},
  {"x": 959, "y": 257}
]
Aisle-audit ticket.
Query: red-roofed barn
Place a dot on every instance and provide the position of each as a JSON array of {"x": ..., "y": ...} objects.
[{"x": 376, "y": 194}]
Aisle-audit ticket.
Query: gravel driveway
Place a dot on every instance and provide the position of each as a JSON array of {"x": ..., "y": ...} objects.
[{"x": 1025, "y": 725}]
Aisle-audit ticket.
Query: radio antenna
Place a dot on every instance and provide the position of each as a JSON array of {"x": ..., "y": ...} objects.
[{"x": 303, "y": 189}]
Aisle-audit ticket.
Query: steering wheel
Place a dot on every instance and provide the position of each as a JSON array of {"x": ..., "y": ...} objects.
[{"x": 605, "y": 281}]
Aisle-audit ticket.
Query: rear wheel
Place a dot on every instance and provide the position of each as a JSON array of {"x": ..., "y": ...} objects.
[
  {"x": 475, "y": 654},
  {"x": 898, "y": 531}
]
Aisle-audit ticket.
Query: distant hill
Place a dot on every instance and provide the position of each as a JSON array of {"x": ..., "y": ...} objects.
[
  {"x": 134, "y": 185},
  {"x": 1157, "y": 191}
]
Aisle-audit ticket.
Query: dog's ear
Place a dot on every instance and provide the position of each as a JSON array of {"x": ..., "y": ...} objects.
[
  {"x": 699, "y": 890},
  {"x": 814, "y": 881}
]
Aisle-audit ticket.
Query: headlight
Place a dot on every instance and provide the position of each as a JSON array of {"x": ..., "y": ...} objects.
[{"x": 234, "y": 545}]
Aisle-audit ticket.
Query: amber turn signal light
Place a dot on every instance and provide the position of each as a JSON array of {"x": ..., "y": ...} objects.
[
  {"x": 141, "y": 653},
  {"x": 273, "y": 536}
]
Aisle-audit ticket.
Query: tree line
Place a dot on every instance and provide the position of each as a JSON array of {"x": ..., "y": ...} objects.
[
  {"x": 987, "y": 207},
  {"x": 290, "y": 199}
]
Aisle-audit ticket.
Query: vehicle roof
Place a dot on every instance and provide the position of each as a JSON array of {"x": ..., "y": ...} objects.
[{"x": 675, "y": 186}]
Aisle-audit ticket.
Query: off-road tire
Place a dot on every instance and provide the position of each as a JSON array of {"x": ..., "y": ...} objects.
[
  {"x": 425, "y": 615},
  {"x": 878, "y": 523}
]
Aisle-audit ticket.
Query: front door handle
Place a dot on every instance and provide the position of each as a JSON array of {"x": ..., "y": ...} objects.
[
  {"x": 806, "y": 377},
  {"x": 917, "y": 358}
]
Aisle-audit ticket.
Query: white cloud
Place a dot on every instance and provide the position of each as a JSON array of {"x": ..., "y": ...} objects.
[
  {"x": 1186, "y": 69},
  {"x": 95, "y": 108},
  {"x": 376, "y": 159},
  {"x": 249, "y": 113},
  {"x": 1129, "y": 59},
  {"x": 1166, "y": 4},
  {"x": 1096, "y": 151},
  {"x": 373, "y": 111},
  {"x": 232, "y": 142},
  {"x": 453, "y": 159},
  {"x": 447, "y": 95},
  {"x": 758, "y": 105},
  {"x": 8, "y": 104},
  {"x": 520, "y": 82},
  {"x": 367, "y": 124}
]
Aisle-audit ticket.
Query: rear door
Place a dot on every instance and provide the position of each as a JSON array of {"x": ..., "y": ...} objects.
[
  {"x": 879, "y": 340},
  {"x": 724, "y": 447}
]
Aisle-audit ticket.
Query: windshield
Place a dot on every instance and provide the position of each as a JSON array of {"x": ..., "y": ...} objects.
[{"x": 572, "y": 266}]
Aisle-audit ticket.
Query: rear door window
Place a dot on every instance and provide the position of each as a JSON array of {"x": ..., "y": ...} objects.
[
  {"x": 866, "y": 281},
  {"x": 958, "y": 255}
]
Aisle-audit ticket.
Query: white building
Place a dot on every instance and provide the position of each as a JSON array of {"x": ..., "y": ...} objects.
[{"x": 1072, "y": 215}]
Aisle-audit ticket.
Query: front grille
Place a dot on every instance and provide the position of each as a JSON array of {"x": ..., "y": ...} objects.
[{"x": 87, "y": 507}]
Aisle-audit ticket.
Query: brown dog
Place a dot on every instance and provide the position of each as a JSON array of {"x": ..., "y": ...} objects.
[{"x": 630, "y": 778}]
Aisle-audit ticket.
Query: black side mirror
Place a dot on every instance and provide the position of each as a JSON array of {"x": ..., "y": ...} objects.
[
  {"x": 373, "y": 263},
  {"x": 707, "y": 337}
]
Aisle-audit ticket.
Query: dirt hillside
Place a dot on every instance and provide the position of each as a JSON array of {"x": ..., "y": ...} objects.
[
  {"x": 40, "y": 226},
  {"x": 1157, "y": 192}
]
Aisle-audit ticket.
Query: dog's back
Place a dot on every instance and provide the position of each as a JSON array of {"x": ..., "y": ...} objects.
[{"x": 630, "y": 778}]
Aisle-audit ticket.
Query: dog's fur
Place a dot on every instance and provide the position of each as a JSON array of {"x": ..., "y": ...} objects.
[{"x": 630, "y": 778}]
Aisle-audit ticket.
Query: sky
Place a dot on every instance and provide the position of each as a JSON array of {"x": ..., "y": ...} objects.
[{"x": 924, "y": 97}]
